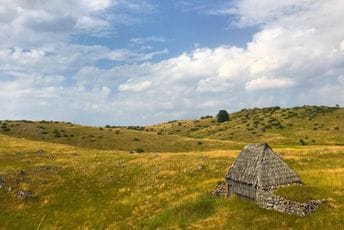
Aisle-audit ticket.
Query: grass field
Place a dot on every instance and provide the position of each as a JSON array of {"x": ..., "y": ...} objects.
[
  {"x": 84, "y": 188},
  {"x": 84, "y": 184}
]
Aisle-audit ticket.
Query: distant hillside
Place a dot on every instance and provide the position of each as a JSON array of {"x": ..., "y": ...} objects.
[
  {"x": 110, "y": 138},
  {"x": 307, "y": 125}
]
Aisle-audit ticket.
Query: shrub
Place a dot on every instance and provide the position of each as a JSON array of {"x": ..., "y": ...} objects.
[
  {"x": 136, "y": 139},
  {"x": 139, "y": 150},
  {"x": 222, "y": 116},
  {"x": 302, "y": 142}
]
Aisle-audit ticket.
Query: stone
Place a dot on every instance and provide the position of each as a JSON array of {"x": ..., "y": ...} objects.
[
  {"x": 24, "y": 194},
  {"x": 2, "y": 182},
  {"x": 22, "y": 173}
]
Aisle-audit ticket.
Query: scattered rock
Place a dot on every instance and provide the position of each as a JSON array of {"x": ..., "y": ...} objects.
[{"x": 24, "y": 194}]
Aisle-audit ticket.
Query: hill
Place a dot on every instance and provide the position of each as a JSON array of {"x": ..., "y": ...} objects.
[
  {"x": 57, "y": 186},
  {"x": 306, "y": 125},
  {"x": 133, "y": 139}
]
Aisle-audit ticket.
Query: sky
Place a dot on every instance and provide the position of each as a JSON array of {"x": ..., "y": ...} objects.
[{"x": 138, "y": 62}]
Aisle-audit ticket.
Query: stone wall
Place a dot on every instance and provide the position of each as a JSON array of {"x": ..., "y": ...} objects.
[{"x": 268, "y": 200}]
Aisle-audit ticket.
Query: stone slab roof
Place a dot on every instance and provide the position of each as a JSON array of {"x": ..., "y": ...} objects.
[{"x": 259, "y": 166}]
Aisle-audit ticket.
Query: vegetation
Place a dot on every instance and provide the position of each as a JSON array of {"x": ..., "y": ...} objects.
[
  {"x": 275, "y": 125},
  {"x": 123, "y": 138},
  {"x": 120, "y": 178},
  {"x": 222, "y": 116}
]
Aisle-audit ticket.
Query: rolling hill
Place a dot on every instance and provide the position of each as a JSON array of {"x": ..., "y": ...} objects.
[
  {"x": 307, "y": 125},
  {"x": 58, "y": 175},
  {"x": 315, "y": 125}
]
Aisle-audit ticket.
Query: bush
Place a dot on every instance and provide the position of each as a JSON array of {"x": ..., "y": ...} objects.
[
  {"x": 139, "y": 150},
  {"x": 222, "y": 116},
  {"x": 302, "y": 142}
]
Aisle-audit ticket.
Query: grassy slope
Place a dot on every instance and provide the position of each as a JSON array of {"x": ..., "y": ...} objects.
[
  {"x": 108, "y": 138},
  {"x": 98, "y": 186},
  {"x": 78, "y": 187},
  {"x": 314, "y": 124}
]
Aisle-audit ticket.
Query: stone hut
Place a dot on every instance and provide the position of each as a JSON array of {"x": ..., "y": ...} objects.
[
  {"x": 256, "y": 173},
  {"x": 257, "y": 169}
]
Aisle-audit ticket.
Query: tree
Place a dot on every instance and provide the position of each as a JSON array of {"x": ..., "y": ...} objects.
[{"x": 222, "y": 116}]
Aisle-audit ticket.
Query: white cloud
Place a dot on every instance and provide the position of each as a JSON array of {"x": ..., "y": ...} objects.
[
  {"x": 150, "y": 39},
  {"x": 269, "y": 83},
  {"x": 296, "y": 58},
  {"x": 135, "y": 86}
]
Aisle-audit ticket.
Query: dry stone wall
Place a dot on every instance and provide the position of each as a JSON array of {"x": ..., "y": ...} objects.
[{"x": 268, "y": 200}]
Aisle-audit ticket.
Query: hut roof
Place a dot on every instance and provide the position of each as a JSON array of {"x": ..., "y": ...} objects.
[{"x": 259, "y": 166}]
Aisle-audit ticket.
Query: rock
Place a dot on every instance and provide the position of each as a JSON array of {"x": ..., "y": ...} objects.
[
  {"x": 40, "y": 152},
  {"x": 220, "y": 190},
  {"x": 22, "y": 173},
  {"x": 2, "y": 182},
  {"x": 24, "y": 194}
]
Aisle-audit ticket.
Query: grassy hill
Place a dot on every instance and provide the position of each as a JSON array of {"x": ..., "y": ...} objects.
[
  {"x": 117, "y": 138},
  {"x": 315, "y": 125},
  {"x": 308, "y": 125},
  {"x": 57, "y": 175},
  {"x": 83, "y": 188}
]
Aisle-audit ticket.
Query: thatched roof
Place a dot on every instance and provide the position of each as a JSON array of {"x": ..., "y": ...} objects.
[{"x": 259, "y": 166}]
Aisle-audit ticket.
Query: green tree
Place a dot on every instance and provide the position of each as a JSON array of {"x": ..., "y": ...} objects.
[{"x": 222, "y": 116}]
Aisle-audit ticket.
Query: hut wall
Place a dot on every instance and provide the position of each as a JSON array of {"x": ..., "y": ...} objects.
[{"x": 241, "y": 189}]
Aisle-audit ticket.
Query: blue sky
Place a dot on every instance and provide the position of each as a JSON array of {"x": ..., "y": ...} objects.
[{"x": 141, "y": 62}]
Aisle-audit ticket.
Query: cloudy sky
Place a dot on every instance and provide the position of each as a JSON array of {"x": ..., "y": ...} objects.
[{"x": 145, "y": 61}]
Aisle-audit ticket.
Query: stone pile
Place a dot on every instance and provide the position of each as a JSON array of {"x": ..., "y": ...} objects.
[{"x": 220, "y": 190}]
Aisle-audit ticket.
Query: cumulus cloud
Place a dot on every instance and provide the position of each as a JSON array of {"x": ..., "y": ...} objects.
[
  {"x": 269, "y": 83},
  {"x": 295, "y": 58}
]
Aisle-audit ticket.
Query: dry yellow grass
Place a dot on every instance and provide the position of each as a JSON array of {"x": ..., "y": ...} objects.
[{"x": 88, "y": 188}]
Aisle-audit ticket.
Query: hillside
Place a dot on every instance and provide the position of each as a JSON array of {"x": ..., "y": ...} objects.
[
  {"x": 82, "y": 188},
  {"x": 308, "y": 125},
  {"x": 57, "y": 175},
  {"x": 315, "y": 125},
  {"x": 132, "y": 139}
]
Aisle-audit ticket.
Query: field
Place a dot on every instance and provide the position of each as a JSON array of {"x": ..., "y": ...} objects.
[{"x": 106, "y": 183}]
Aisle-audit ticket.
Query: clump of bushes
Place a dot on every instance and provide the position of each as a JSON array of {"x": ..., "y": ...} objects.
[{"x": 205, "y": 117}]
